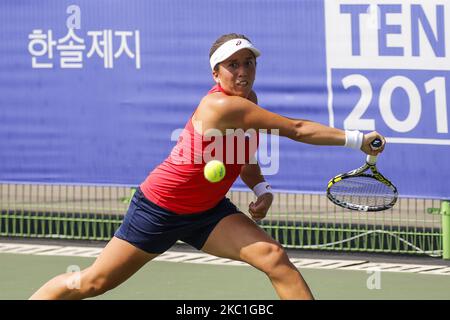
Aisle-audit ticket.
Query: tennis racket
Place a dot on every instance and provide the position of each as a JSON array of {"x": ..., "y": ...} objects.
[{"x": 363, "y": 189}]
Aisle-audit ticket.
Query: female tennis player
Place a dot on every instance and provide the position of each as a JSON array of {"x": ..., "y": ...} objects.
[{"x": 176, "y": 202}]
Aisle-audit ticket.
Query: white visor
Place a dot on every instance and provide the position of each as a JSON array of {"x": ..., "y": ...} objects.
[{"x": 229, "y": 48}]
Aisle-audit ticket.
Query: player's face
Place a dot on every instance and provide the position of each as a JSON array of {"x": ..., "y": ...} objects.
[{"x": 237, "y": 74}]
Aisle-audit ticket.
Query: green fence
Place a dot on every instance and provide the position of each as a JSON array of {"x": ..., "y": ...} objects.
[{"x": 305, "y": 221}]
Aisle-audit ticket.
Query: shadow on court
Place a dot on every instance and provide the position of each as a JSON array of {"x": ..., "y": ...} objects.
[{"x": 21, "y": 275}]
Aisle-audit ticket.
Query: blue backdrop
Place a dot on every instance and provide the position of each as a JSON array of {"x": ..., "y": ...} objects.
[{"x": 98, "y": 103}]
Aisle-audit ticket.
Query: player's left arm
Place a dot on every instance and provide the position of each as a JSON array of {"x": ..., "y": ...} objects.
[
  {"x": 251, "y": 172},
  {"x": 251, "y": 175}
]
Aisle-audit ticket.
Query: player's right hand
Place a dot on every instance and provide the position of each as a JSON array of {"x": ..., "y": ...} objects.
[{"x": 368, "y": 138}]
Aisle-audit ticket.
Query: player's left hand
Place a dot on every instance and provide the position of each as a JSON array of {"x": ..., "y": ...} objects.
[{"x": 259, "y": 209}]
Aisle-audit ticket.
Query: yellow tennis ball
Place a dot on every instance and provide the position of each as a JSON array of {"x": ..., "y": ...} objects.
[{"x": 214, "y": 171}]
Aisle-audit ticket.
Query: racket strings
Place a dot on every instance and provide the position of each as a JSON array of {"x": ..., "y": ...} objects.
[{"x": 362, "y": 190}]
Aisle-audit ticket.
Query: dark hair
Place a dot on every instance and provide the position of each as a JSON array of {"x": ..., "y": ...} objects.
[{"x": 222, "y": 39}]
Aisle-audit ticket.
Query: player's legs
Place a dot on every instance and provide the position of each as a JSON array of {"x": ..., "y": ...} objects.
[
  {"x": 238, "y": 237},
  {"x": 118, "y": 261}
]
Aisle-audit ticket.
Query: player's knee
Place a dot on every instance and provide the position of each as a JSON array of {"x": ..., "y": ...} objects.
[
  {"x": 98, "y": 286},
  {"x": 272, "y": 257},
  {"x": 94, "y": 284}
]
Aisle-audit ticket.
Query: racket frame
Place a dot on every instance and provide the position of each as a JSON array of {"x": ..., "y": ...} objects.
[{"x": 360, "y": 172}]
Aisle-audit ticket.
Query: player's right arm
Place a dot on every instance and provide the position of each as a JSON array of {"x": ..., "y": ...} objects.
[{"x": 237, "y": 112}]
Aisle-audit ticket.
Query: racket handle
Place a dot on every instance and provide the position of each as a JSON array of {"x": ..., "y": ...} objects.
[
  {"x": 375, "y": 144},
  {"x": 371, "y": 159}
]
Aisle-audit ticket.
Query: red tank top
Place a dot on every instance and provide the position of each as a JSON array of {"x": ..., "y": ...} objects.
[{"x": 178, "y": 183}]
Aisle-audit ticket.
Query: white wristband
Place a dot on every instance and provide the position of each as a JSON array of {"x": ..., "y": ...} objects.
[
  {"x": 262, "y": 188},
  {"x": 353, "y": 139}
]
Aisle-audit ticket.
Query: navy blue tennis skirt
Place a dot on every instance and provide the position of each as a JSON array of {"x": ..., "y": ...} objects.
[{"x": 155, "y": 229}]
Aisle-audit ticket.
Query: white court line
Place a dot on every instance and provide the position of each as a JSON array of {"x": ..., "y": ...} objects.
[
  {"x": 203, "y": 258},
  {"x": 395, "y": 267},
  {"x": 25, "y": 248}
]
